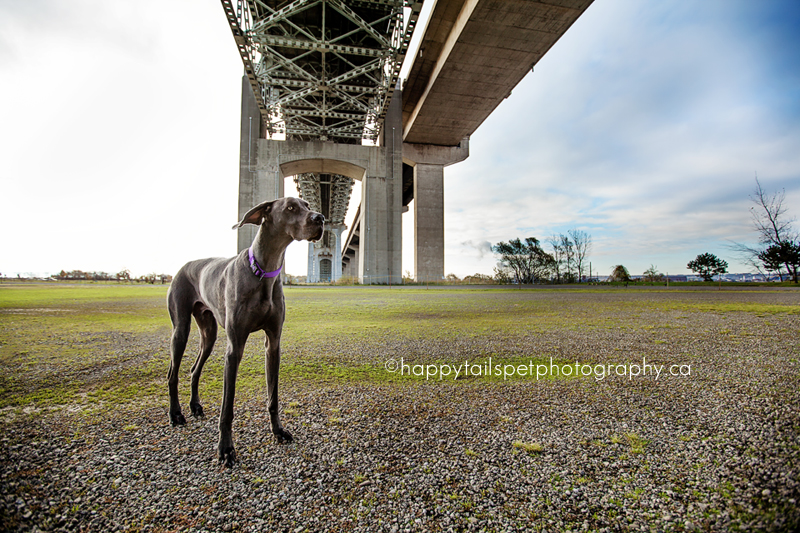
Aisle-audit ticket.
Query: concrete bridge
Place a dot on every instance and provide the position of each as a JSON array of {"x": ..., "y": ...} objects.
[{"x": 322, "y": 102}]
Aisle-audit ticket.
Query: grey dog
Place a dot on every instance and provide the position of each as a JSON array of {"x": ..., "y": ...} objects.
[{"x": 244, "y": 294}]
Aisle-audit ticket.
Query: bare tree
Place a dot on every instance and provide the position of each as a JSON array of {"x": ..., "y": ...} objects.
[
  {"x": 568, "y": 249},
  {"x": 749, "y": 256},
  {"x": 772, "y": 225},
  {"x": 582, "y": 243},
  {"x": 769, "y": 217},
  {"x": 559, "y": 255}
]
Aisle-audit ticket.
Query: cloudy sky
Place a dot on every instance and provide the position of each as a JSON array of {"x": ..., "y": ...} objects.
[{"x": 643, "y": 126}]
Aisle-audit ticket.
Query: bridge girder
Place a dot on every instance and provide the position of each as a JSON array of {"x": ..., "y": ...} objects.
[
  {"x": 322, "y": 69},
  {"x": 328, "y": 194}
]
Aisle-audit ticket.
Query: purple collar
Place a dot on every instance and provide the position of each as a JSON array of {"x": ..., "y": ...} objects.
[{"x": 256, "y": 268}]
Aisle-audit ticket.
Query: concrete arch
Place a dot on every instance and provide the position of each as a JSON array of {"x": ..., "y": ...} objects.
[
  {"x": 322, "y": 166},
  {"x": 378, "y": 168}
]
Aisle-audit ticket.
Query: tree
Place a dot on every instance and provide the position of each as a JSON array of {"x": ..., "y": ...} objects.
[
  {"x": 582, "y": 243},
  {"x": 772, "y": 260},
  {"x": 559, "y": 255},
  {"x": 769, "y": 217},
  {"x": 785, "y": 254},
  {"x": 619, "y": 273},
  {"x": 707, "y": 265},
  {"x": 502, "y": 275},
  {"x": 568, "y": 250},
  {"x": 652, "y": 274},
  {"x": 569, "y": 255},
  {"x": 790, "y": 253},
  {"x": 478, "y": 279},
  {"x": 526, "y": 260},
  {"x": 772, "y": 226},
  {"x": 563, "y": 258},
  {"x": 749, "y": 255}
]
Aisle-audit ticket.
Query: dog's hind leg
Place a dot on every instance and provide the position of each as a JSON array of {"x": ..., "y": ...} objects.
[
  {"x": 181, "y": 315},
  {"x": 208, "y": 335}
]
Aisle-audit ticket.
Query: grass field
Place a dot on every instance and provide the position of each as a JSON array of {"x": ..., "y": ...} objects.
[
  {"x": 90, "y": 345},
  {"x": 86, "y": 442}
]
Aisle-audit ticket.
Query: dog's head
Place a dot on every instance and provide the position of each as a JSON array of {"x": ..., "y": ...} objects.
[{"x": 292, "y": 215}]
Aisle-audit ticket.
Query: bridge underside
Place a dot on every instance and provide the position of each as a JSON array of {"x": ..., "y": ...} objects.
[
  {"x": 322, "y": 76},
  {"x": 328, "y": 194},
  {"x": 473, "y": 53},
  {"x": 324, "y": 173}
]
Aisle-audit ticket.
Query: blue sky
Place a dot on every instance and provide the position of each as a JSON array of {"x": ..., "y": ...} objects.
[{"x": 644, "y": 126}]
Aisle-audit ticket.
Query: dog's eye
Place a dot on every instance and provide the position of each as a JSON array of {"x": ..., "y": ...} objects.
[{"x": 291, "y": 208}]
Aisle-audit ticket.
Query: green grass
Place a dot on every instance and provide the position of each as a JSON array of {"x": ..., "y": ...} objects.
[
  {"x": 530, "y": 447},
  {"x": 96, "y": 344},
  {"x": 53, "y": 294},
  {"x": 636, "y": 442}
]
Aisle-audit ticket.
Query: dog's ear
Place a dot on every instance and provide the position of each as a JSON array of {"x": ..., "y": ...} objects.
[{"x": 256, "y": 215}]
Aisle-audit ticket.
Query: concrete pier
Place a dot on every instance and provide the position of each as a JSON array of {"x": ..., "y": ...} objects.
[{"x": 428, "y": 162}]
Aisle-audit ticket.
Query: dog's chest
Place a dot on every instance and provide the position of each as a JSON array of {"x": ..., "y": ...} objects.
[{"x": 266, "y": 302}]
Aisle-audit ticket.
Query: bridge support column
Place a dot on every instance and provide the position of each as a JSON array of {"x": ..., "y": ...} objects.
[
  {"x": 429, "y": 162},
  {"x": 429, "y": 222},
  {"x": 311, "y": 275},
  {"x": 265, "y": 163},
  {"x": 381, "y": 241},
  {"x": 336, "y": 268},
  {"x": 256, "y": 183},
  {"x": 379, "y": 244}
]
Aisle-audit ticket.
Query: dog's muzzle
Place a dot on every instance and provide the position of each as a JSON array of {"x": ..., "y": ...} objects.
[{"x": 317, "y": 219}]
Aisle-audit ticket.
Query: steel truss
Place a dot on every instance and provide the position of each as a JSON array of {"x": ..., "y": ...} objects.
[
  {"x": 328, "y": 194},
  {"x": 323, "y": 69}
]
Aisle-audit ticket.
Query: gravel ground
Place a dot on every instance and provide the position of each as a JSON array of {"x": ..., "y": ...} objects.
[{"x": 716, "y": 450}]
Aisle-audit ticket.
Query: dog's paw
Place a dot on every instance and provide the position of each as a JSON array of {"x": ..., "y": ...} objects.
[
  {"x": 177, "y": 419},
  {"x": 283, "y": 436},
  {"x": 197, "y": 410},
  {"x": 227, "y": 457}
]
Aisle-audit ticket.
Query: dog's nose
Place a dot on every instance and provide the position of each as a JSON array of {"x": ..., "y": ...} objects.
[{"x": 318, "y": 218}]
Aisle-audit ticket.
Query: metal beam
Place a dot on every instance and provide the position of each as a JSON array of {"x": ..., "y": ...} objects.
[
  {"x": 318, "y": 46},
  {"x": 306, "y": 61},
  {"x": 340, "y": 6},
  {"x": 282, "y": 14}
]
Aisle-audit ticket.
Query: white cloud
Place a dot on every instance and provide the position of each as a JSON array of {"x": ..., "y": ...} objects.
[{"x": 644, "y": 126}]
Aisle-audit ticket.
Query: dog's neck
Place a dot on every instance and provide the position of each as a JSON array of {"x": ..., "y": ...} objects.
[{"x": 269, "y": 248}]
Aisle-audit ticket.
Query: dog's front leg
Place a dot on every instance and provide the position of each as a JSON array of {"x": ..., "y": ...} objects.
[
  {"x": 272, "y": 365},
  {"x": 233, "y": 356}
]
